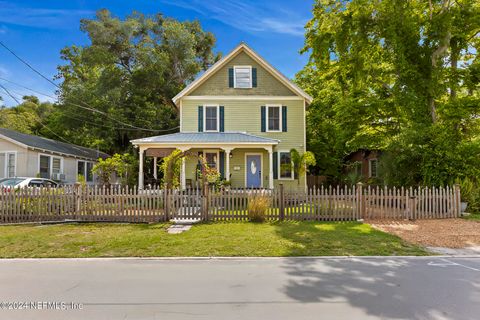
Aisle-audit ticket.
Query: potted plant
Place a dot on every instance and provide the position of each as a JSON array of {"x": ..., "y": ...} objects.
[{"x": 467, "y": 188}]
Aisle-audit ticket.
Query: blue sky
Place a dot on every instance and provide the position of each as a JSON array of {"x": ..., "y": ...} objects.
[{"x": 37, "y": 30}]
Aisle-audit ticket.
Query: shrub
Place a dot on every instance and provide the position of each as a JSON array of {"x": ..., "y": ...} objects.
[
  {"x": 257, "y": 208},
  {"x": 470, "y": 193}
]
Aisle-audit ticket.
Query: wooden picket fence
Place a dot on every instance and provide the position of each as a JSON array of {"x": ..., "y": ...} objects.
[{"x": 117, "y": 204}]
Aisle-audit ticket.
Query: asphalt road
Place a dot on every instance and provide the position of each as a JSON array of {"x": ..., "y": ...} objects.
[{"x": 289, "y": 288}]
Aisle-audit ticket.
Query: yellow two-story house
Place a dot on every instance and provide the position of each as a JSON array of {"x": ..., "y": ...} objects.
[{"x": 244, "y": 117}]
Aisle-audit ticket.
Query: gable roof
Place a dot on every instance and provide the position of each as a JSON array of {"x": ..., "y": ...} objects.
[
  {"x": 242, "y": 47},
  {"x": 44, "y": 144}
]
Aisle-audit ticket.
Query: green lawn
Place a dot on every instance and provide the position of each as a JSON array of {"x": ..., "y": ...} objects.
[
  {"x": 210, "y": 239},
  {"x": 473, "y": 216}
]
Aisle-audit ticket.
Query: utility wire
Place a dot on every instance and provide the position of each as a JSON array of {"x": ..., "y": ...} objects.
[
  {"x": 8, "y": 92},
  {"x": 87, "y": 121},
  {"x": 41, "y": 123},
  {"x": 78, "y": 105},
  {"x": 24, "y": 87},
  {"x": 28, "y": 65}
]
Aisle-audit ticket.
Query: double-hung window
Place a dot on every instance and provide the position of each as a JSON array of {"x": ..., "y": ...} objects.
[
  {"x": 211, "y": 118},
  {"x": 373, "y": 168},
  {"x": 242, "y": 77},
  {"x": 285, "y": 164},
  {"x": 211, "y": 158},
  {"x": 11, "y": 164},
  {"x": 84, "y": 169},
  {"x": 49, "y": 165},
  {"x": 44, "y": 167},
  {"x": 274, "y": 119}
]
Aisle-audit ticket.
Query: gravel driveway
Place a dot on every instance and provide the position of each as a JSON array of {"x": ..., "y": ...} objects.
[{"x": 448, "y": 233}]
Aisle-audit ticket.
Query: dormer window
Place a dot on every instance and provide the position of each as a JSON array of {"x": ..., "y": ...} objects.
[{"x": 242, "y": 77}]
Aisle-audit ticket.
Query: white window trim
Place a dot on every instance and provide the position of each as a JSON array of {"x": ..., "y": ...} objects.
[
  {"x": 50, "y": 163},
  {"x": 280, "y": 124},
  {"x": 370, "y": 168},
  {"x": 5, "y": 169},
  {"x": 217, "y": 106},
  {"x": 235, "y": 76},
  {"x": 261, "y": 166},
  {"x": 85, "y": 171},
  {"x": 279, "y": 165},
  {"x": 217, "y": 152}
]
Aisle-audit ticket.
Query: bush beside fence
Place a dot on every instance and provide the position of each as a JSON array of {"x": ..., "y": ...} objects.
[{"x": 156, "y": 205}]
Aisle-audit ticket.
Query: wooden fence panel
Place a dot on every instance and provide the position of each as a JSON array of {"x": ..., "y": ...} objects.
[{"x": 154, "y": 204}]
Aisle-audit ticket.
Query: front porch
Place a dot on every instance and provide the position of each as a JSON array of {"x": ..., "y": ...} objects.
[{"x": 245, "y": 160}]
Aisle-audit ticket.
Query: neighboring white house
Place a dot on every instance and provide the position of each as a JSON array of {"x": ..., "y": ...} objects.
[{"x": 25, "y": 155}]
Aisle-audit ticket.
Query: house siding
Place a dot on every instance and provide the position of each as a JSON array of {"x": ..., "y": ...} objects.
[
  {"x": 245, "y": 116},
  {"x": 27, "y": 162},
  {"x": 217, "y": 84}
]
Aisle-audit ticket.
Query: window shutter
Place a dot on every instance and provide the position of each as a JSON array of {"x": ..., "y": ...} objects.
[
  {"x": 222, "y": 119},
  {"x": 263, "y": 119},
  {"x": 200, "y": 118},
  {"x": 284, "y": 118},
  {"x": 222, "y": 164},
  {"x": 254, "y": 77},
  {"x": 275, "y": 165},
  {"x": 230, "y": 77}
]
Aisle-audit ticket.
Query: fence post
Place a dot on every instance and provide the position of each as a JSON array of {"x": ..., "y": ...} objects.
[
  {"x": 412, "y": 206},
  {"x": 205, "y": 201},
  {"x": 458, "y": 199},
  {"x": 361, "y": 205},
  {"x": 166, "y": 201},
  {"x": 281, "y": 207},
  {"x": 77, "y": 193}
]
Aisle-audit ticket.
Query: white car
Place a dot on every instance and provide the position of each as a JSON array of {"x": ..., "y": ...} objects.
[{"x": 20, "y": 182}]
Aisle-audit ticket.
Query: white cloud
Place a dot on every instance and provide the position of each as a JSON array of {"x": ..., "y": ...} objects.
[
  {"x": 246, "y": 16},
  {"x": 39, "y": 17}
]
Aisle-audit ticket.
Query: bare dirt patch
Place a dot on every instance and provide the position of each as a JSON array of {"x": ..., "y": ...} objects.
[{"x": 448, "y": 233}]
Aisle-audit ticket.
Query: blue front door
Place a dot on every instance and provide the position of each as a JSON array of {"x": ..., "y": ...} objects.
[{"x": 254, "y": 171}]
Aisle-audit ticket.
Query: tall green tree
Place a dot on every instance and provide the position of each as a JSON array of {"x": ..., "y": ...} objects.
[
  {"x": 401, "y": 76},
  {"x": 130, "y": 71},
  {"x": 27, "y": 117}
]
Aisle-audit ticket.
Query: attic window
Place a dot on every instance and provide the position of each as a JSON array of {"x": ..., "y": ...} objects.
[{"x": 242, "y": 77}]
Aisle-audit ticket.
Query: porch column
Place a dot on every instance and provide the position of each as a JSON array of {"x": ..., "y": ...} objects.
[
  {"x": 270, "y": 167},
  {"x": 141, "y": 150},
  {"x": 155, "y": 168},
  {"x": 183, "y": 176},
  {"x": 227, "y": 163}
]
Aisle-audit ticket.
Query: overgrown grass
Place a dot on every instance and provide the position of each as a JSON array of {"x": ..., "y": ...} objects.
[
  {"x": 473, "y": 216},
  {"x": 210, "y": 239}
]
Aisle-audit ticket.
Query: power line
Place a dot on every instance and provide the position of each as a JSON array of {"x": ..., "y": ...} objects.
[
  {"x": 83, "y": 120},
  {"x": 28, "y": 65},
  {"x": 90, "y": 108},
  {"x": 24, "y": 87},
  {"x": 41, "y": 123},
  {"x": 8, "y": 92}
]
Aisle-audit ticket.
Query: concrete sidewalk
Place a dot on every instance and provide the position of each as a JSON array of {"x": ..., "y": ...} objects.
[{"x": 253, "y": 288}]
